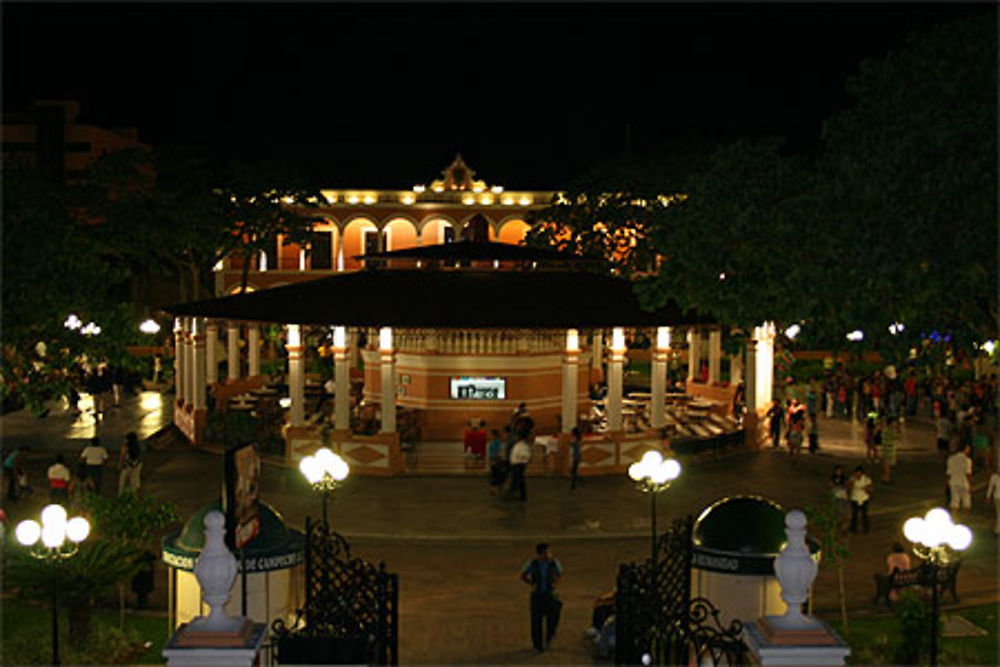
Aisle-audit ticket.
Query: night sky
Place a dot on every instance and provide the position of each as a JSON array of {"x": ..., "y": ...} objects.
[{"x": 383, "y": 95}]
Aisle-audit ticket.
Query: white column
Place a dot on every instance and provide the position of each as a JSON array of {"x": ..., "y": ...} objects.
[
  {"x": 341, "y": 375},
  {"x": 763, "y": 363},
  {"x": 388, "y": 380},
  {"x": 750, "y": 390},
  {"x": 198, "y": 341},
  {"x": 296, "y": 377},
  {"x": 189, "y": 361},
  {"x": 233, "y": 350},
  {"x": 570, "y": 380},
  {"x": 253, "y": 350},
  {"x": 180, "y": 383},
  {"x": 658, "y": 379},
  {"x": 714, "y": 355},
  {"x": 211, "y": 362},
  {"x": 613, "y": 401},
  {"x": 694, "y": 354}
]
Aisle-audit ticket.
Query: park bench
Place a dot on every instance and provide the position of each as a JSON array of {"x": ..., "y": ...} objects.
[{"x": 916, "y": 577}]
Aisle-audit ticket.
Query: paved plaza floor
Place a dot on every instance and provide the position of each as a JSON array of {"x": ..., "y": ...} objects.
[{"x": 457, "y": 549}]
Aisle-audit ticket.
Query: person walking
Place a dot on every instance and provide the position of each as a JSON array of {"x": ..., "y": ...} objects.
[
  {"x": 993, "y": 491},
  {"x": 10, "y": 473},
  {"x": 95, "y": 456},
  {"x": 776, "y": 417},
  {"x": 574, "y": 457},
  {"x": 520, "y": 456},
  {"x": 59, "y": 479},
  {"x": 887, "y": 452},
  {"x": 859, "y": 488},
  {"x": 542, "y": 573},
  {"x": 958, "y": 469},
  {"x": 130, "y": 464},
  {"x": 498, "y": 462}
]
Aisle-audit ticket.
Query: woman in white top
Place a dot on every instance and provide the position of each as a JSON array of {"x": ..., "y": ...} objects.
[{"x": 993, "y": 491}]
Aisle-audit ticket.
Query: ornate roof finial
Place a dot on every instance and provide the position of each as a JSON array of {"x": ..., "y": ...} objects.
[{"x": 458, "y": 176}]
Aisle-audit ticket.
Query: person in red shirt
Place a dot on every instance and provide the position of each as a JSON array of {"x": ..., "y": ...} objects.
[{"x": 475, "y": 440}]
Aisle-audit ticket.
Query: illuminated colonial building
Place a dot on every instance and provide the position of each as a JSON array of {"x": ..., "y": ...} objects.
[{"x": 360, "y": 222}]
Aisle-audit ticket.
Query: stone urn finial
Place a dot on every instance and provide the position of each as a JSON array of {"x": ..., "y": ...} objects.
[
  {"x": 796, "y": 571},
  {"x": 215, "y": 570}
]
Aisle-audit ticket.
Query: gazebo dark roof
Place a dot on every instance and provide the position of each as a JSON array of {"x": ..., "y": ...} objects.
[
  {"x": 449, "y": 299},
  {"x": 477, "y": 251}
]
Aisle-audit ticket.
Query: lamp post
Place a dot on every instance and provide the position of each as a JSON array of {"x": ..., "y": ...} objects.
[
  {"x": 325, "y": 471},
  {"x": 654, "y": 475},
  {"x": 48, "y": 541},
  {"x": 936, "y": 539}
]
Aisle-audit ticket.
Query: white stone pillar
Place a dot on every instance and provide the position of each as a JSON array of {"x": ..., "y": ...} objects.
[
  {"x": 750, "y": 390},
  {"x": 694, "y": 354},
  {"x": 233, "y": 350},
  {"x": 658, "y": 379},
  {"x": 714, "y": 355},
  {"x": 253, "y": 350},
  {"x": 211, "y": 361},
  {"x": 198, "y": 358},
  {"x": 388, "y": 380},
  {"x": 613, "y": 401},
  {"x": 189, "y": 361},
  {"x": 763, "y": 365},
  {"x": 180, "y": 382},
  {"x": 296, "y": 376},
  {"x": 342, "y": 379},
  {"x": 570, "y": 380}
]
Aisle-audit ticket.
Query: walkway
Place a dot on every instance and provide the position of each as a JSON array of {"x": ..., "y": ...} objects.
[{"x": 457, "y": 549}]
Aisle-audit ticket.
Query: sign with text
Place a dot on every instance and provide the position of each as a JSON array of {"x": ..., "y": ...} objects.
[{"x": 480, "y": 389}]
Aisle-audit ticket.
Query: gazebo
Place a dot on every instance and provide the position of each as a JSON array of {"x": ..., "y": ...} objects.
[{"x": 455, "y": 331}]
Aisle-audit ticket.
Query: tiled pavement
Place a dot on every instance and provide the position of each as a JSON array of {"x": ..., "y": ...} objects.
[{"x": 457, "y": 549}]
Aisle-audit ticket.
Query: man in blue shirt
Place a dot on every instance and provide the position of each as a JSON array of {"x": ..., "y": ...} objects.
[{"x": 542, "y": 573}]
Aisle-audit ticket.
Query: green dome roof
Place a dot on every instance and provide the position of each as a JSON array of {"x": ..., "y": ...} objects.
[
  {"x": 741, "y": 525},
  {"x": 275, "y": 546}
]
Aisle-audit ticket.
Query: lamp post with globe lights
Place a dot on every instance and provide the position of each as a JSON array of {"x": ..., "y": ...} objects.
[
  {"x": 325, "y": 471},
  {"x": 936, "y": 540},
  {"x": 55, "y": 539},
  {"x": 654, "y": 475}
]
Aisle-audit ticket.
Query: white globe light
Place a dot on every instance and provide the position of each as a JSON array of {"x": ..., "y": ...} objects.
[
  {"x": 54, "y": 515},
  {"x": 659, "y": 475},
  {"x": 673, "y": 468},
  {"x": 938, "y": 523},
  {"x": 913, "y": 529},
  {"x": 960, "y": 538},
  {"x": 636, "y": 471},
  {"x": 793, "y": 331},
  {"x": 652, "y": 458},
  {"x": 339, "y": 470},
  {"x": 312, "y": 469},
  {"x": 325, "y": 458},
  {"x": 149, "y": 327},
  {"x": 53, "y": 536},
  {"x": 28, "y": 532},
  {"x": 77, "y": 529}
]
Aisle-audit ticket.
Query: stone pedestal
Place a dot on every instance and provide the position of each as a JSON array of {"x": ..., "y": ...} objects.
[
  {"x": 193, "y": 649},
  {"x": 771, "y": 644}
]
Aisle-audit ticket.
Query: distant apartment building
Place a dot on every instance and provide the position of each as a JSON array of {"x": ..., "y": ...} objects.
[{"x": 48, "y": 136}]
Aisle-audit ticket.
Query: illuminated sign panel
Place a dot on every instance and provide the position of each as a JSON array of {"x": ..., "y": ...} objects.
[{"x": 480, "y": 389}]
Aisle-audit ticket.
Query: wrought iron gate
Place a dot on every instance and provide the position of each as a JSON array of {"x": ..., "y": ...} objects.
[
  {"x": 351, "y": 612},
  {"x": 655, "y": 615}
]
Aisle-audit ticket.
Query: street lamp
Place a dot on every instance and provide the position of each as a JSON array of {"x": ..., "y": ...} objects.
[
  {"x": 654, "y": 475},
  {"x": 48, "y": 541},
  {"x": 936, "y": 539},
  {"x": 325, "y": 471}
]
